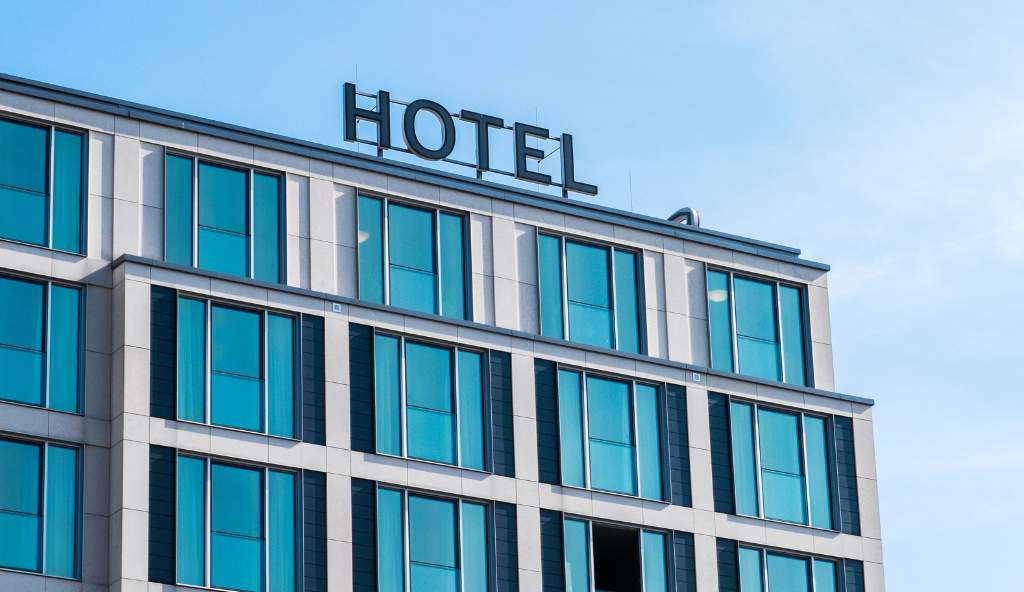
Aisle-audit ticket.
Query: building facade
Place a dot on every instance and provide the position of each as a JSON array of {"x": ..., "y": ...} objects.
[{"x": 232, "y": 360}]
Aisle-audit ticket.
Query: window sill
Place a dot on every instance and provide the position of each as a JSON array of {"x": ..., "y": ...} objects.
[
  {"x": 432, "y": 463},
  {"x": 236, "y": 430},
  {"x": 613, "y": 493},
  {"x": 37, "y": 573},
  {"x": 42, "y": 408},
  {"x": 44, "y": 248},
  {"x": 787, "y": 523}
]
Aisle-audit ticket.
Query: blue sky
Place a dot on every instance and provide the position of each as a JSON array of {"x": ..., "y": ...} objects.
[{"x": 884, "y": 138}]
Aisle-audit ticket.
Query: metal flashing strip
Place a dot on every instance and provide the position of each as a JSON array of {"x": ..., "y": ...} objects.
[
  {"x": 334, "y": 298},
  {"x": 345, "y": 157}
]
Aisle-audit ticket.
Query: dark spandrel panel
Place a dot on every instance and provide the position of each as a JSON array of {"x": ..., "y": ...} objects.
[
  {"x": 314, "y": 383},
  {"x": 548, "y": 462},
  {"x": 506, "y": 547},
  {"x": 728, "y": 566},
  {"x": 360, "y": 344},
  {"x": 503, "y": 447},
  {"x": 552, "y": 561},
  {"x": 364, "y": 536},
  {"x": 314, "y": 531},
  {"x": 163, "y": 352},
  {"x": 684, "y": 565},
  {"x": 846, "y": 476},
  {"x": 853, "y": 576},
  {"x": 721, "y": 462},
  {"x": 678, "y": 446},
  {"x": 161, "y": 514}
]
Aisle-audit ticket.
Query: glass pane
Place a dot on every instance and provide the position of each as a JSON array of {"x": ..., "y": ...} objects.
[
  {"x": 19, "y": 505},
  {"x": 720, "y": 319},
  {"x": 817, "y": 472},
  {"x": 781, "y": 466},
  {"x": 627, "y": 310},
  {"x": 64, "y": 345},
  {"x": 474, "y": 547},
  {"x": 24, "y": 216},
  {"x": 428, "y": 384},
  {"x": 235, "y": 381},
  {"x": 23, "y": 158},
  {"x": 387, "y": 398},
  {"x": 223, "y": 198},
  {"x": 266, "y": 227},
  {"x": 792, "y": 335},
  {"x": 191, "y": 530},
  {"x": 744, "y": 471},
  {"x": 371, "y": 249},
  {"x": 221, "y": 251},
  {"x": 22, "y": 376},
  {"x": 281, "y": 531},
  {"x": 649, "y": 441},
  {"x": 655, "y": 567},
  {"x": 612, "y": 467},
  {"x": 191, "y": 359},
  {"x": 787, "y": 574},
  {"x": 21, "y": 341},
  {"x": 471, "y": 410},
  {"x": 67, "y": 192},
  {"x": 824, "y": 576},
  {"x": 431, "y": 435},
  {"x": 751, "y": 571},
  {"x": 390, "y": 542},
  {"x": 178, "y": 210},
  {"x": 236, "y": 528},
  {"x": 549, "y": 274},
  {"x": 591, "y": 325},
  {"x": 589, "y": 295},
  {"x": 432, "y": 531},
  {"x": 755, "y": 328},
  {"x": 411, "y": 258},
  {"x": 570, "y": 427},
  {"x": 577, "y": 556},
  {"x": 453, "y": 278},
  {"x": 413, "y": 289},
  {"x": 61, "y": 511},
  {"x": 608, "y": 410},
  {"x": 430, "y": 578},
  {"x": 758, "y": 358},
  {"x": 281, "y": 375}
]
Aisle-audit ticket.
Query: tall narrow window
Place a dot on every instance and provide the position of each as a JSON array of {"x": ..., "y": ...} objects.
[
  {"x": 767, "y": 571},
  {"x": 237, "y": 367},
  {"x": 39, "y": 508},
  {"x": 223, "y": 218},
  {"x": 41, "y": 185},
  {"x": 756, "y": 327},
  {"x": 412, "y": 257},
  {"x": 429, "y": 402},
  {"x": 40, "y": 344},
  {"x": 616, "y": 558},
  {"x": 589, "y": 293},
  {"x": 615, "y": 444}
]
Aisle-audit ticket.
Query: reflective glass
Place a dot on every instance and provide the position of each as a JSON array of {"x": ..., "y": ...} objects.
[
  {"x": 191, "y": 359},
  {"x": 744, "y": 467},
  {"x": 751, "y": 570},
  {"x": 23, "y": 158},
  {"x": 411, "y": 258},
  {"x": 223, "y": 219},
  {"x": 781, "y": 466},
  {"x": 191, "y": 520},
  {"x": 67, "y": 191},
  {"x": 21, "y": 340},
  {"x": 453, "y": 282},
  {"x": 236, "y": 528},
  {"x": 577, "y": 556},
  {"x": 720, "y": 319},
  {"x": 281, "y": 375},
  {"x": 589, "y": 294},
  {"x": 570, "y": 427},
  {"x": 610, "y": 429},
  {"x": 787, "y": 574},
  {"x": 758, "y": 358},
  {"x": 432, "y": 545},
  {"x": 474, "y": 547},
  {"x": 64, "y": 346},
  {"x": 627, "y": 311},
  {"x": 755, "y": 328},
  {"x": 281, "y": 531},
  {"x": 178, "y": 210},
  {"x": 61, "y": 511},
  {"x": 649, "y": 441},
  {"x": 428, "y": 385},
  {"x": 266, "y": 227},
  {"x": 818, "y": 486},
  {"x": 654, "y": 566},
  {"x": 236, "y": 397},
  {"x": 370, "y": 246},
  {"x": 387, "y": 397},
  {"x": 24, "y": 216},
  {"x": 20, "y": 504},
  {"x": 792, "y": 335},
  {"x": 549, "y": 274},
  {"x": 824, "y": 576},
  {"x": 221, "y": 251},
  {"x": 471, "y": 410},
  {"x": 390, "y": 542}
]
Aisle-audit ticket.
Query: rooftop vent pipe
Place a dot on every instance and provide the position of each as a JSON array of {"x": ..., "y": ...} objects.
[{"x": 688, "y": 216}]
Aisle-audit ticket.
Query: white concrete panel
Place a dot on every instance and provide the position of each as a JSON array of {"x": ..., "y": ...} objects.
[
  {"x": 321, "y": 211},
  {"x": 127, "y": 173},
  {"x": 525, "y": 430},
  {"x": 481, "y": 241},
  {"x": 322, "y": 267},
  {"x": 101, "y": 164},
  {"x": 126, "y": 223},
  {"x": 297, "y": 205},
  {"x": 654, "y": 280},
  {"x": 152, "y": 241},
  {"x": 503, "y": 233}
]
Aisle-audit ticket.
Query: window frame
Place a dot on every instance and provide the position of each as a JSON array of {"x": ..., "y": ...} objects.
[
  {"x": 208, "y": 304},
  {"x": 833, "y": 474},
  {"x": 661, "y": 390},
  {"x": 809, "y": 558},
  {"x": 264, "y": 516},
  {"x": 485, "y": 385},
  {"x": 435, "y": 214},
  {"x": 51, "y": 128},
  {"x": 638, "y": 528},
  {"x": 48, "y": 283},
  {"x": 79, "y": 503},
  {"x": 611, "y": 248},
  {"x": 250, "y": 171}
]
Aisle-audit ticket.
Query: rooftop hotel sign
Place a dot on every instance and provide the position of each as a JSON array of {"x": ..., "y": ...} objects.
[{"x": 380, "y": 117}]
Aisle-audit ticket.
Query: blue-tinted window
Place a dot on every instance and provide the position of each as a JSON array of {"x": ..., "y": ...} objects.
[
  {"x": 432, "y": 545},
  {"x": 370, "y": 247},
  {"x": 570, "y": 428},
  {"x": 178, "y": 210},
  {"x": 39, "y": 209},
  {"x": 190, "y": 534},
  {"x": 610, "y": 423},
  {"x": 471, "y": 410},
  {"x": 588, "y": 292},
  {"x": 474, "y": 547},
  {"x": 818, "y": 482},
  {"x": 429, "y": 406},
  {"x": 720, "y": 320},
  {"x": 787, "y": 573},
  {"x": 236, "y": 368},
  {"x": 65, "y": 343},
  {"x": 577, "y": 555},
  {"x": 282, "y": 533},
  {"x": 825, "y": 576},
  {"x": 627, "y": 304},
  {"x": 648, "y": 432},
  {"x": 61, "y": 514},
  {"x": 744, "y": 460},
  {"x": 192, "y": 359},
  {"x": 549, "y": 276},
  {"x": 281, "y": 375},
  {"x": 655, "y": 568},
  {"x": 387, "y": 394},
  {"x": 751, "y": 570},
  {"x": 267, "y": 215},
  {"x": 390, "y": 541},
  {"x": 791, "y": 315},
  {"x": 223, "y": 219},
  {"x": 453, "y": 273},
  {"x": 613, "y": 557},
  {"x": 782, "y": 479}
]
